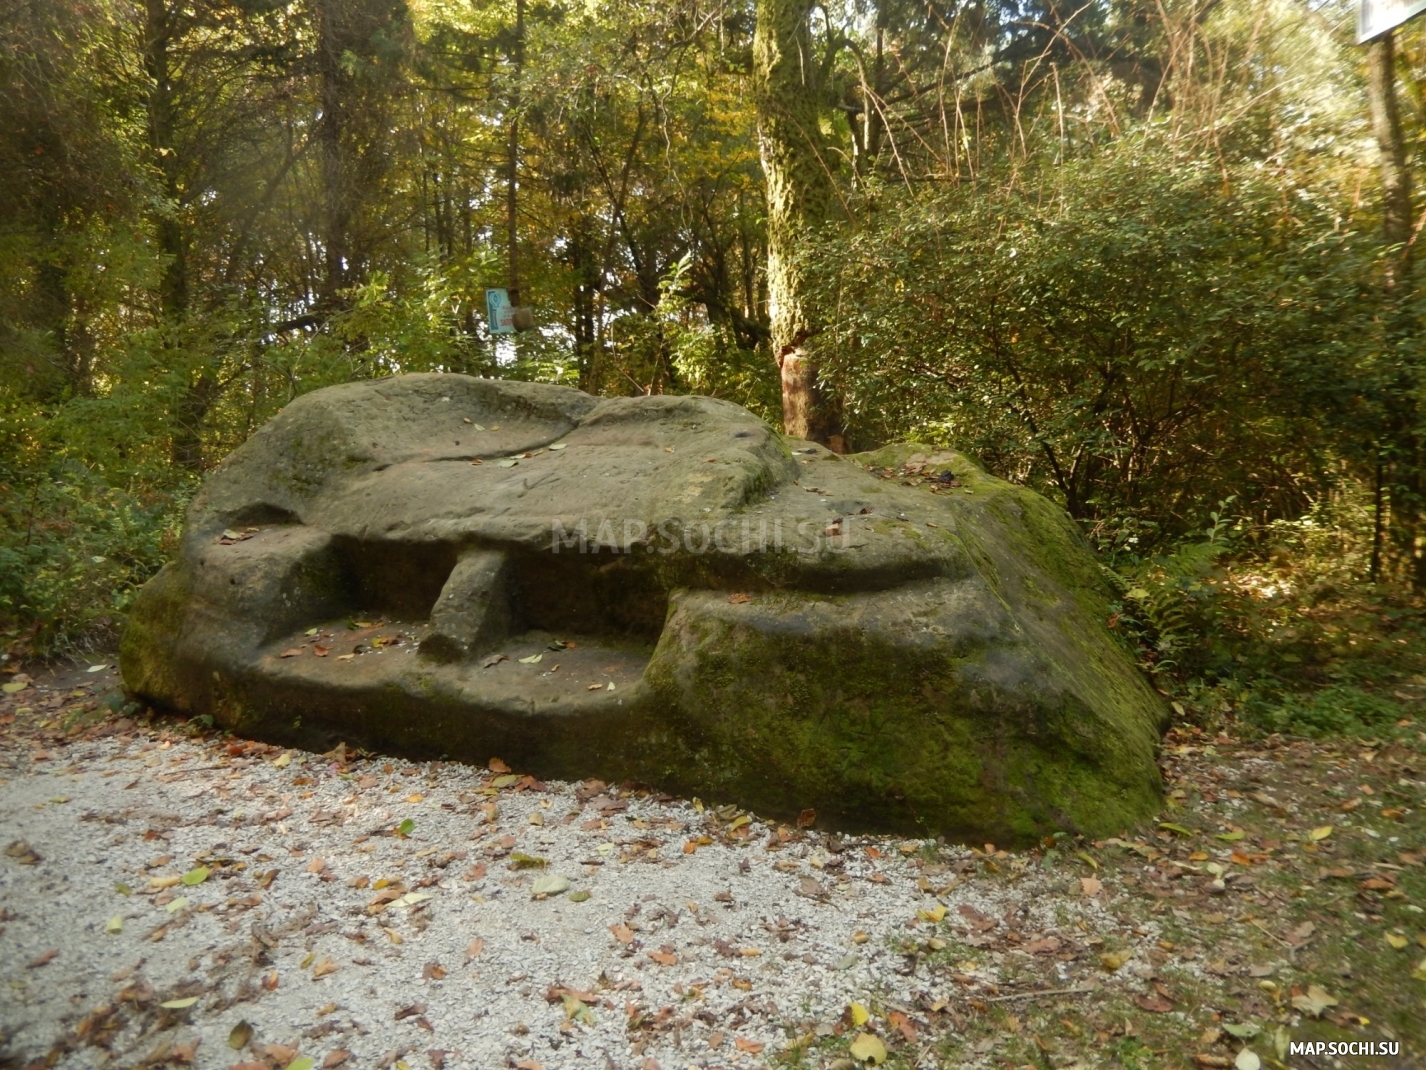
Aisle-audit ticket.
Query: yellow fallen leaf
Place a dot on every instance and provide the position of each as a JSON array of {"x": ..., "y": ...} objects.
[
  {"x": 415, "y": 797},
  {"x": 1111, "y": 961},
  {"x": 1321, "y": 832},
  {"x": 179, "y": 1004},
  {"x": 1396, "y": 940},
  {"x": 114, "y": 925},
  {"x": 283, "y": 760},
  {"x": 164, "y": 882},
  {"x": 935, "y": 913},
  {"x": 860, "y": 1015},
  {"x": 868, "y": 1049},
  {"x": 324, "y": 967}
]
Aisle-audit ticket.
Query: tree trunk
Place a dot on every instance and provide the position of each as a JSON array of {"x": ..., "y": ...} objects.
[
  {"x": 1395, "y": 174},
  {"x": 799, "y": 199},
  {"x": 1408, "y": 480},
  {"x": 158, "y": 39},
  {"x": 336, "y": 207}
]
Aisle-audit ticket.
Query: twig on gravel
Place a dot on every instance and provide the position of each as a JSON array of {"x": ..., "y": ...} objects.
[{"x": 1076, "y": 990}]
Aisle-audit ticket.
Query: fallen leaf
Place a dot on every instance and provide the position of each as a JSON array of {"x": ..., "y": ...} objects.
[
  {"x": 1247, "y": 1060},
  {"x": 240, "y": 1035},
  {"x": 739, "y": 598},
  {"x": 1320, "y": 833},
  {"x": 291, "y": 652},
  {"x": 195, "y": 876},
  {"x": 622, "y": 933},
  {"x": 302, "y": 1062},
  {"x": 1153, "y": 1004},
  {"x": 433, "y": 971},
  {"x": 1169, "y": 826},
  {"x": 23, "y": 853},
  {"x": 179, "y": 1004},
  {"x": 858, "y": 1014},
  {"x": 321, "y": 651},
  {"x": 41, "y": 960},
  {"x": 664, "y": 958},
  {"x": 934, "y": 914},
  {"x": 116, "y": 925},
  {"x": 405, "y": 828},
  {"x": 533, "y": 659},
  {"x": 283, "y": 760},
  {"x": 1090, "y": 886},
  {"x": 752, "y": 1047},
  {"x": 324, "y": 967},
  {"x": 1314, "y": 1002},
  {"x": 335, "y": 1058},
  {"x": 867, "y": 1048},
  {"x": 495, "y": 765},
  {"x": 1396, "y": 940}
]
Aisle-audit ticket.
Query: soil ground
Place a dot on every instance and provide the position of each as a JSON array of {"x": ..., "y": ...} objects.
[{"x": 171, "y": 895}]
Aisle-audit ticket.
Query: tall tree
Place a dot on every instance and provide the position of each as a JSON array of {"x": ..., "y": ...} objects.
[
  {"x": 1401, "y": 467},
  {"x": 800, "y": 199}
]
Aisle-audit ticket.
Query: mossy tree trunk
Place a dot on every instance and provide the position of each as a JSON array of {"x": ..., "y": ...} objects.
[{"x": 799, "y": 199}]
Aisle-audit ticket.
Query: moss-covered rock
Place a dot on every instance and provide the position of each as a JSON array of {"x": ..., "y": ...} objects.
[{"x": 698, "y": 604}]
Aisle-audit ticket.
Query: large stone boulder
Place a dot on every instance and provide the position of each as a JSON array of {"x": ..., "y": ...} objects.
[{"x": 661, "y": 589}]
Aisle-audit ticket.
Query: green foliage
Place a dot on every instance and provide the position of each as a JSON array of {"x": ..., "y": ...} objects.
[
  {"x": 1337, "y": 710},
  {"x": 72, "y": 553},
  {"x": 1103, "y": 337}
]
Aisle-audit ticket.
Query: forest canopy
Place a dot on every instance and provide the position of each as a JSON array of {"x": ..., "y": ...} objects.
[{"x": 1152, "y": 259}]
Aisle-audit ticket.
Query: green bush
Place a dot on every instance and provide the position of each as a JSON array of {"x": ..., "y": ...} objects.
[{"x": 73, "y": 551}]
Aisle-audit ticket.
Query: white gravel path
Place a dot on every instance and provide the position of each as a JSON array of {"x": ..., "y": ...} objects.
[{"x": 722, "y": 955}]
